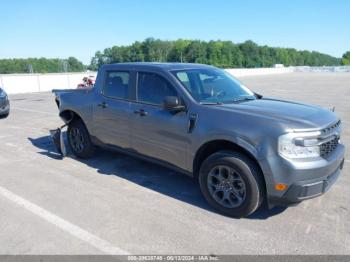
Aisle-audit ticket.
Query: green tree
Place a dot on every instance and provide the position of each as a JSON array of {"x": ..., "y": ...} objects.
[
  {"x": 223, "y": 54},
  {"x": 40, "y": 65},
  {"x": 74, "y": 65},
  {"x": 196, "y": 52},
  {"x": 345, "y": 60},
  {"x": 136, "y": 54},
  {"x": 250, "y": 52},
  {"x": 214, "y": 53},
  {"x": 177, "y": 53}
]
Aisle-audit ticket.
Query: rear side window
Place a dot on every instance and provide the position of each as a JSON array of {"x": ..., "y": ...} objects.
[
  {"x": 153, "y": 88},
  {"x": 117, "y": 84}
]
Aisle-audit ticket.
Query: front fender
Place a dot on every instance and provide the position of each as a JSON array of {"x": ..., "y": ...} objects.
[{"x": 240, "y": 141}]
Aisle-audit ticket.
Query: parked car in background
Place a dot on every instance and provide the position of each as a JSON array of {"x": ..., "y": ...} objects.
[
  {"x": 197, "y": 119},
  {"x": 4, "y": 104}
]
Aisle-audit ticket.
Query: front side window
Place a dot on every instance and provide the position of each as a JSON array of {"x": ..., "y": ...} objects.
[
  {"x": 117, "y": 84},
  {"x": 153, "y": 88},
  {"x": 213, "y": 86}
]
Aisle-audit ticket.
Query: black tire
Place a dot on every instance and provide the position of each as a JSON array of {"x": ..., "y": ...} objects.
[
  {"x": 86, "y": 148},
  {"x": 4, "y": 115},
  {"x": 249, "y": 175}
]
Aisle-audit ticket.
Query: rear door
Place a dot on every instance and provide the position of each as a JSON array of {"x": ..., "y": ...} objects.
[
  {"x": 156, "y": 132},
  {"x": 111, "y": 111}
]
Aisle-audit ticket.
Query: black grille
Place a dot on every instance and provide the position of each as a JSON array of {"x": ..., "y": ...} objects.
[{"x": 329, "y": 147}]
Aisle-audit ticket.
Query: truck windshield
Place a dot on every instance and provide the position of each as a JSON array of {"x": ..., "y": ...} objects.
[{"x": 213, "y": 86}]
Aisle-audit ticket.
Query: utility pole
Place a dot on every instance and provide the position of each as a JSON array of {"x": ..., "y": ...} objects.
[
  {"x": 30, "y": 69},
  {"x": 64, "y": 66}
]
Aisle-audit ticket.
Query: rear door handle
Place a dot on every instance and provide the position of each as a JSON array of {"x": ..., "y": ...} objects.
[
  {"x": 141, "y": 112},
  {"x": 103, "y": 105}
]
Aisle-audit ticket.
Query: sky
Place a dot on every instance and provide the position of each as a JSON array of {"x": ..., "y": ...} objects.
[{"x": 79, "y": 28}]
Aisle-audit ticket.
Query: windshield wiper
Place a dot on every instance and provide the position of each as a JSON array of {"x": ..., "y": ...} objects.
[
  {"x": 210, "y": 103},
  {"x": 242, "y": 99}
]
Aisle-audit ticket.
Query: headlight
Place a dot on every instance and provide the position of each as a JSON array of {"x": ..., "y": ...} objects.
[{"x": 299, "y": 145}]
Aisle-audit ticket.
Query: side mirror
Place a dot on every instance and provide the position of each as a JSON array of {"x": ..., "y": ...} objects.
[
  {"x": 172, "y": 104},
  {"x": 258, "y": 96}
]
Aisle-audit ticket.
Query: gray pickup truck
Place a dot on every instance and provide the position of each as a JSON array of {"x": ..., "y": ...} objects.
[{"x": 197, "y": 119}]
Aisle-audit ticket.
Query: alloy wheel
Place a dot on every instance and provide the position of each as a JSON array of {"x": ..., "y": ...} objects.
[{"x": 226, "y": 186}]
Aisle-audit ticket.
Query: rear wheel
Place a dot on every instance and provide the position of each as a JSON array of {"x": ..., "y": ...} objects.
[
  {"x": 79, "y": 139},
  {"x": 231, "y": 183}
]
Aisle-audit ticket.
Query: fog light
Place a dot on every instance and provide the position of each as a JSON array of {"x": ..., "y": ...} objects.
[{"x": 280, "y": 187}]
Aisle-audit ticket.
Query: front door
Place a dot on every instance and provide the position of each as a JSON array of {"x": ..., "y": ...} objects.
[{"x": 157, "y": 132}]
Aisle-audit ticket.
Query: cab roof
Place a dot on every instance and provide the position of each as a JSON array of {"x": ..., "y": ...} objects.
[{"x": 155, "y": 66}]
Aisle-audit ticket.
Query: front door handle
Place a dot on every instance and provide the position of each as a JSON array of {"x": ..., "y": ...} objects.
[
  {"x": 103, "y": 105},
  {"x": 141, "y": 112}
]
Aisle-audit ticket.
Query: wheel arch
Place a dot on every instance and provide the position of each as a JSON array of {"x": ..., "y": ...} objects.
[
  {"x": 69, "y": 115},
  {"x": 214, "y": 146}
]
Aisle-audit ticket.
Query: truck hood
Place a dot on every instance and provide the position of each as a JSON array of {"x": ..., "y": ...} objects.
[{"x": 294, "y": 115}]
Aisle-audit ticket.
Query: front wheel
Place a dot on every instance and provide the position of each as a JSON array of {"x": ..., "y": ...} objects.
[
  {"x": 79, "y": 139},
  {"x": 231, "y": 183}
]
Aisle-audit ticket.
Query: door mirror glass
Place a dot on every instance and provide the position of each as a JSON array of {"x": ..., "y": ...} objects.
[{"x": 172, "y": 103}]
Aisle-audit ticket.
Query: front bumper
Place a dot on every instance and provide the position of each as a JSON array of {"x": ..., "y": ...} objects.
[
  {"x": 309, "y": 189},
  {"x": 305, "y": 179}
]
